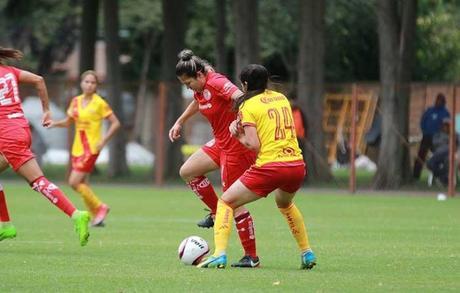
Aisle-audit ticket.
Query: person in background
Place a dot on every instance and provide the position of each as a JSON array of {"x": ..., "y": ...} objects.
[
  {"x": 213, "y": 98},
  {"x": 264, "y": 125},
  {"x": 430, "y": 124},
  {"x": 88, "y": 111},
  {"x": 438, "y": 163},
  {"x": 300, "y": 123},
  {"x": 15, "y": 143}
]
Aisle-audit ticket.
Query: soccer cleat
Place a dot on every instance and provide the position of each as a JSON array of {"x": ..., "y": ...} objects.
[
  {"x": 8, "y": 232},
  {"x": 207, "y": 222},
  {"x": 81, "y": 227},
  {"x": 101, "y": 214},
  {"x": 218, "y": 262},
  {"x": 247, "y": 262},
  {"x": 308, "y": 260}
]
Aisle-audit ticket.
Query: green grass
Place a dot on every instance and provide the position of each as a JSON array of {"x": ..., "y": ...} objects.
[{"x": 363, "y": 243}]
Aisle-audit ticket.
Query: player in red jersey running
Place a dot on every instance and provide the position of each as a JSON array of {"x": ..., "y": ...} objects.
[
  {"x": 213, "y": 98},
  {"x": 15, "y": 142}
]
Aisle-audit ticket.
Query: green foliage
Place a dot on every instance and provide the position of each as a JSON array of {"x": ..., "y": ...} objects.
[
  {"x": 140, "y": 22},
  {"x": 351, "y": 41},
  {"x": 365, "y": 242},
  {"x": 438, "y": 41},
  {"x": 201, "y": 31},
  {"x": 39, "y": 27}
]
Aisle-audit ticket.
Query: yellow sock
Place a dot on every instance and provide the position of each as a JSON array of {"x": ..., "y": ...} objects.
[
  {"x": 222, "y": 227},
  {"x": 297, "y": 226},
  {"x": 92, "y": 202}
]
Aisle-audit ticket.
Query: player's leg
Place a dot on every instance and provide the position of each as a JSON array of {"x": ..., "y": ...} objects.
[
  {"x": 193, "y": 173},
  {"x": 7, "y": 230},
  {"x": 236, "y": 196},
  {"x": 297, "y": 226},
  {"x": 232, "y": 167},
  {"x": 78, "y": 180},
  {"x": 31, "y": 171}
]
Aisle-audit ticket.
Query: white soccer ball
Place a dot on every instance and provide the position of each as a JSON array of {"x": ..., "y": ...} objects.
[{"x": 192, "y": 249}]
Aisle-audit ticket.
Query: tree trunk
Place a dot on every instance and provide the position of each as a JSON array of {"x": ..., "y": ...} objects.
[
  {"x": 245, "y": 14},
  {"x": 396, "y": 36},
  {"x": 140, "y": 104},
  {"x": 117, "y": 158},
  {"x": 310, "y": 88},
  {"x": 88, "y": 32},
  {"x": 174, "y": 21},
  {"x": 221, "y": 32}
]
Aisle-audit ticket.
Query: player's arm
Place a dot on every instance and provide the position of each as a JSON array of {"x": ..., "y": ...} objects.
[
  {"x": 61, "y": 123},
  {"x": 246, "y": 134},
  {"x": 39, "y": 83},
  {"x": 250, "y": 139},
  {"x": 114, "y": 127},
  {"x": 192, "y": 109},
  {"x": 236, "y": 95}
]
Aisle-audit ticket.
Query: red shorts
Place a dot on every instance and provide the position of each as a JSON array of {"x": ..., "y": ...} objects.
[
  {"x": 265, "y": 179},
  {"x": 84, "y": 163},
  {"x": 15, "y": 146},
  {"x": 232, "y": 166}
]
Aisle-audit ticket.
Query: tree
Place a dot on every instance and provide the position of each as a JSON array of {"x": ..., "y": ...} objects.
[
  {"x": 310, "y": 88},
  {"x": 143, "y": 28},
  {"x": 88, "y": 32},
  {"x": 245, "y": 17},
  {"x": 117, "y": 159},
  {"x": 396, "y": 42},
  {"x": 174, "y": 22},
  {"x": 45, "y": 30},
  {"x": 221, "y": 32}
]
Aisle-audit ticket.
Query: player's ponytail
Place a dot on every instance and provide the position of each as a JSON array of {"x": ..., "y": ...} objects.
[
  {"x": 255, "y": 77},
  {"x": 9, "y": 53},
  {"x": 190, "y": 64}
]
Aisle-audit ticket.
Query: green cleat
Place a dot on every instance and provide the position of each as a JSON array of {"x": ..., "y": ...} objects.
[
  {"x": 8, "y": 232},
  {"x": 81, "y": 227}
]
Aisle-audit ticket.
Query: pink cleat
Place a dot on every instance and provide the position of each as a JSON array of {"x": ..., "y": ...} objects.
[{"x": 98, "y": 220}]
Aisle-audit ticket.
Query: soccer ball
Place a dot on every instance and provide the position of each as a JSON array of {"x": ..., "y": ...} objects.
[{"x": 192, "y": 249}]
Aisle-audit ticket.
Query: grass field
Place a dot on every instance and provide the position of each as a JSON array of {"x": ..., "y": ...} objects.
[{"x": 365, "y": 242}]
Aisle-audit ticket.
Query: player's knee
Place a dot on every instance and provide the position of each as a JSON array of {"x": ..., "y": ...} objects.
[
  {"x": 186, "y": 173},
  {"x": 74, "y": 184},
  {"x": 283, "y": 203}
]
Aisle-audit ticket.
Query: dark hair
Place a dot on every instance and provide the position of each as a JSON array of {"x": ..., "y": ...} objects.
[
  {"x": 255, "y": 76},
  {"x": 9, "y": 53},
  {"x": 190, "y": 64},
  {"x": 440, "y": 98}
]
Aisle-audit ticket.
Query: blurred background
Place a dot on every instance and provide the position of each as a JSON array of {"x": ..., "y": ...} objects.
[{"x": 394, "y": 56}]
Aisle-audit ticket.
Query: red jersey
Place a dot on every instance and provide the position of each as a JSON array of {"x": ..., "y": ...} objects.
[
  {"x": 215, "y": 103},
  {"x": 10, "y": 103}
]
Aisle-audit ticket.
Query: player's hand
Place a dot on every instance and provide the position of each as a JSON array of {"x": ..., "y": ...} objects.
[
  {"x": 235, "y": 128},
  {"x": 46, "y": 119},
  {"x": 174, "y": 132}
]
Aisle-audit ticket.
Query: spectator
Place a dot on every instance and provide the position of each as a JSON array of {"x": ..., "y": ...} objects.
[
  {"x": 430, "y": 124},
  {"x": 439, "y": 161},
  {"x": 300, "y": 124}
]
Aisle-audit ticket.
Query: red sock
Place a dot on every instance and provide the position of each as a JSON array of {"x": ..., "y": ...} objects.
[
  {"x": 245, "y": 227},
  {"x": 53, "y": 194},
  {"x": 4, "y": 216},
  {"x": 204, "y": 190}
]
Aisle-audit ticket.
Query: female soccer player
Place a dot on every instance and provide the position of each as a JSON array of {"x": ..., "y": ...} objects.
[
  {"x": 15, "y": 142},
  {"x": 264, "y": 125},
  {"x": 88, "y": 111},
  {"x": 213, "y": 96}
]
